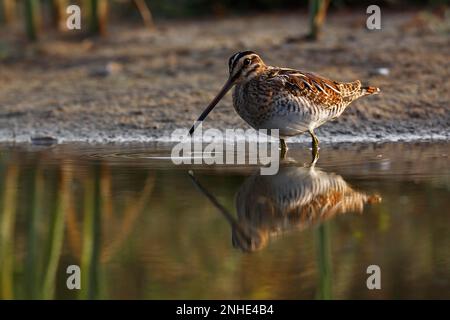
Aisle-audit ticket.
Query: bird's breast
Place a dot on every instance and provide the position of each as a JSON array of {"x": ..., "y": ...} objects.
[
  {"x": 263, "y": 107},
  {"x": 254, "y": 103}
]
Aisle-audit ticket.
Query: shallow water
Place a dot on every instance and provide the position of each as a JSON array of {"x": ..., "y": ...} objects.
[{"x": 140, "y": 227}]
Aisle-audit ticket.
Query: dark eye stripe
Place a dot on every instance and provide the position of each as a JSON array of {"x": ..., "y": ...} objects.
[
  {"x": 238, "y": 56},
  {"x": 231, "y": 60},
  {"x": 234, "y": 59}
]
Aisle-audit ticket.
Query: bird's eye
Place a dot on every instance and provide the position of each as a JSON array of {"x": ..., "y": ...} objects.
[{"x": 247, "y": 62}]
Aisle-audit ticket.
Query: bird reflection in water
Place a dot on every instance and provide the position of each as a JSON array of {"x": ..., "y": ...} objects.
[{"x": 294, "y": 198}]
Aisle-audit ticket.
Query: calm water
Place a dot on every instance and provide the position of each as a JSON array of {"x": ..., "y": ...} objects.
[{"x": 142, "y": 228}]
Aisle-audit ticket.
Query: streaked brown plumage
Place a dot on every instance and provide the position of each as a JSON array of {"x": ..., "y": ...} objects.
[
  {"x": 289, "y": 100},
  {"x": 295, "y": 198}
]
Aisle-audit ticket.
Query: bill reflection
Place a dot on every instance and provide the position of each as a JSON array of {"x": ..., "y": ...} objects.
[{"x": 294, "y": 199}]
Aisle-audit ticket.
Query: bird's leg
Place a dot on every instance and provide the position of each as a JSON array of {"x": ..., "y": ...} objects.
[
  {"x": 283, "y": 148},
  {"x": 315, "y": 148}
]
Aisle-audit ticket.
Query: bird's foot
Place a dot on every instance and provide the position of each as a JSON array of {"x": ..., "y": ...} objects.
[
  {"x": 314, "y": 161},
  {"x": 283, "y": 149}
]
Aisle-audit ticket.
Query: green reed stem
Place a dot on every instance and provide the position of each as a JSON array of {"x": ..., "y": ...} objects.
[
  {"x": 98, "y": 12},
  {"x": 324, "y": 262},
  {"x": 31, "y": 265},
  {"x": 7, "y": 226},
  {"x": 317, "y": 13},
  {"x": 91, "y": 237},
  {"x": 32, "y": 18},
  {"x": 57, "y": 234}
]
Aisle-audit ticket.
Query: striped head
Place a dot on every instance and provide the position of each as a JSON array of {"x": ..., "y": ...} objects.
[{"x": 244, "y": 66}]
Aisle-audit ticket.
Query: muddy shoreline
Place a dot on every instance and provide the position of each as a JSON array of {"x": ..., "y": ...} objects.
[{"x": 138, "y": 86}]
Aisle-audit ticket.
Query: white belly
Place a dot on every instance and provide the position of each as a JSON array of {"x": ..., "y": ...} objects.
[
  {"x": 290, "y": 115},
  {"x": 295, "y": 123}
]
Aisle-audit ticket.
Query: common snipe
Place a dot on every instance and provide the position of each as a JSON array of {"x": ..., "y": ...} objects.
[
  {"x": 289, "y": 100},
  {"x": 294, "y": 198}
]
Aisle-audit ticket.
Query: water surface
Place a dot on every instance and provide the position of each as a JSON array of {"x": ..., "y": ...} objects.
[{"x": 141, "y": 228}]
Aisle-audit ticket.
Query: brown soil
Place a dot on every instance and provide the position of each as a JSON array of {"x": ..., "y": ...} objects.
[{"x": 140, "y": 85}]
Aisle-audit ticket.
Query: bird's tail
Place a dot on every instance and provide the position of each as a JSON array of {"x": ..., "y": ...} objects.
[{"x": 369, "y": 90}]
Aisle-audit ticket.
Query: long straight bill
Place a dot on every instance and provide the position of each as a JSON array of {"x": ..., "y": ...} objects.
[{"x": 211, "y": 106}]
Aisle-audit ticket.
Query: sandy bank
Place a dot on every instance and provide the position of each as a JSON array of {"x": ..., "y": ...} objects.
[{"x": 139, "y": 86}]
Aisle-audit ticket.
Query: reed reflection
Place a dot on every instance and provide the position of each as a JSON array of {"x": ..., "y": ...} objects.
[
  {"x": 294, "y": 198},
  {"x": 139, "y": 229},
  {"x": 71, "y": 218}
]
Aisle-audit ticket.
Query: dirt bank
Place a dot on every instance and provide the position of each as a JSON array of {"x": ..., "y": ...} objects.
[{"x": 140, "y": 85}]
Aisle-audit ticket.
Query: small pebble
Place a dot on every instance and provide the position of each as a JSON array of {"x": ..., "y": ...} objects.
[
  {"x": 381, "y": 71},
  {"x": 111, "y": 68},
  {"x": 43, "y": 141}
]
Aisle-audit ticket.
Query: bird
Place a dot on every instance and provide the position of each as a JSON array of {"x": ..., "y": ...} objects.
[
  {"x": 290, "y": 100},
  {"x": 296, "y": 198}
]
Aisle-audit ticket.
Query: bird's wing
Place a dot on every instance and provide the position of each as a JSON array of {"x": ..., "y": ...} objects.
[{"x": 317, "y": 89}]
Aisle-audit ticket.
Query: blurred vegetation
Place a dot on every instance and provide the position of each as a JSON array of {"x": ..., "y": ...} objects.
[
  {"x": 97, "y": 11},
  {"x": 324, "y": 262},
  {"x": 42, "y": 14},
  {"x": 62, "y": 208},
  {"x": 136, "y": 235},
  {"x": 32, "y": 18},
  {"x": 317, "y": 13},
  {"x": 183, "y": 8}
]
